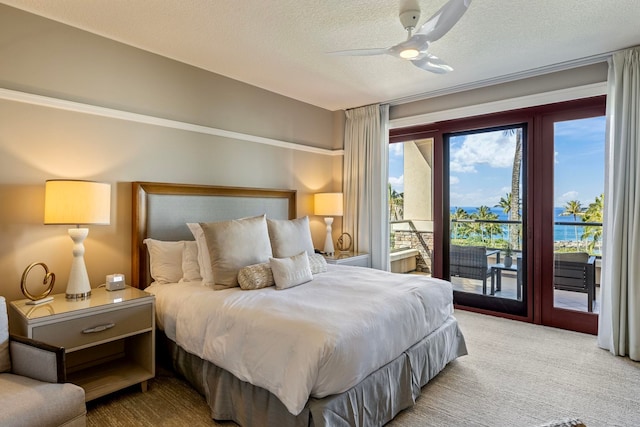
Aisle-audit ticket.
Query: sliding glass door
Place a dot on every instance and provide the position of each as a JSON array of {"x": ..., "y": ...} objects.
[
  {"x": 484, "y": 202},
  {"x": 410, "y": 198},
  {"x": 517, "y": 198},
  {"x": 575, "y": 140}
]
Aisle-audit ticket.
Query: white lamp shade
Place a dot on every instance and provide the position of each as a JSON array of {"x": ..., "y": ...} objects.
[
  {"x": 328, "y": 204},
  {"x": 77, "y": 202}
]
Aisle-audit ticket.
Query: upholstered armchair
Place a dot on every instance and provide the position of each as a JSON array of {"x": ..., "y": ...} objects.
[{"x": 32, "y": 388}]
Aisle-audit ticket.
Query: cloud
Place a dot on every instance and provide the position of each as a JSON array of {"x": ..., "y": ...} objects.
[
  {"x": 453, "y": 180},
  {"x": 397, "y": 183},
  {"x": 477, "y": 197},
  {"x": 494, "y": 149},
  {"x": 568, "y": 196},
  {"x": 396, "y": 149},
  {"x": 470, "y": 199}
]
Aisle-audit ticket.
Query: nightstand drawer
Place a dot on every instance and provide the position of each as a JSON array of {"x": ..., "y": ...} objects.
[{"x": 94, "y": 328}]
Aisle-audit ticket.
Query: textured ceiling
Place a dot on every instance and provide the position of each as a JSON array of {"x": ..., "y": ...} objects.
[{"x": 281, "y": 45}]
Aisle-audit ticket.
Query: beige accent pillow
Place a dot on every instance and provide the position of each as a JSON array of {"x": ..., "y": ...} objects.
[
  {"x": 235, "y": 244},
  {"x": 165, "y": 260},
  {"x": 204, "y": 261},
  {"x": 292, "y": 271},
  {"x": 256, "y": 276},
  {"x": 5, "y": 360},
  {"x": 317, "y": 263},
  {"x": 190, "y": 265},
  {"x": 290, "y": 237}
]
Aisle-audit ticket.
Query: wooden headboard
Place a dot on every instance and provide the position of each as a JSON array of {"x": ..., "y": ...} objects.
[{"x": 161, "y": 211}]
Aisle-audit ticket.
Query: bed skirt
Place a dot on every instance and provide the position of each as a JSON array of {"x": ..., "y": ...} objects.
[{"x": 373, "y": 402}]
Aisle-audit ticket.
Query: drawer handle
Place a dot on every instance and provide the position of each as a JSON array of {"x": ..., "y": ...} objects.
[{"x": 98, "y": 328}]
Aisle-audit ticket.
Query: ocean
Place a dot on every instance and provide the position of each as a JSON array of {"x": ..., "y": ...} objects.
[{"x": 565, "y": 233}]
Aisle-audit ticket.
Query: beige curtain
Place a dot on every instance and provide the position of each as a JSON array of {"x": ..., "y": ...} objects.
[
  {"x": 366, "y": 170},
  {"x": 619, "y": 323}
]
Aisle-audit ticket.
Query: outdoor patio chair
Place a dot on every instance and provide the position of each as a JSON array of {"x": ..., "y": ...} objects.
[
  {"x": 576, "y": 272},
  {"x": 470, "y": 262}
]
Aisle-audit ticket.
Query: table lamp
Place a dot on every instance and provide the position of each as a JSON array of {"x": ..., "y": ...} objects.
[
  {"x": 328, "y": 205},
  {"x": 77, "y": 203}
]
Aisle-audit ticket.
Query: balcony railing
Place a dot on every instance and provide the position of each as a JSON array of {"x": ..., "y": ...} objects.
[{"x": 496, "y": 234}]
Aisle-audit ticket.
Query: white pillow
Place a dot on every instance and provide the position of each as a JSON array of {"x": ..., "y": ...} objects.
[
  {"x": 292, "y": 271},
  {"x": 190, "y": 265},
  {"x": 5, "y": 360},
  {"x": 165, "y": 259},
  {"x": 290, "y": 237},
  {"x": 235, "y": 244},
  {"x": 204, "y": 261}
]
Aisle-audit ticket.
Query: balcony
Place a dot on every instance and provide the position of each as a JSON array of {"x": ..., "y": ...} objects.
[{"x": 414, "y": 239}]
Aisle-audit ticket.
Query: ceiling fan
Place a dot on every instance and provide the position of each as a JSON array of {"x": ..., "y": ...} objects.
[{"x": 414, "y": 49}]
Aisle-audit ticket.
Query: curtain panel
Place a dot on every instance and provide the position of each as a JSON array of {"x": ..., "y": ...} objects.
[
  {"x": 366, "y": 171},
  {"x": 619, "y": 323}
]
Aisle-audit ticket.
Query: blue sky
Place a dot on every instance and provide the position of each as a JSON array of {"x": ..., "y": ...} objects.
[{"x": 481, "y": 164}]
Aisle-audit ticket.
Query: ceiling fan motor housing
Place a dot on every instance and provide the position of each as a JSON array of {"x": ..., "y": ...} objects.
[{"x": 409, "y": 19}]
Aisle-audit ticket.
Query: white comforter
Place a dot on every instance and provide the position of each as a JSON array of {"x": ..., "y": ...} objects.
[{"x": 317, "y": 339}]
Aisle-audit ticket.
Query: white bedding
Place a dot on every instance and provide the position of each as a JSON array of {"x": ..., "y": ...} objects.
[{"x": 317, "y": 339}]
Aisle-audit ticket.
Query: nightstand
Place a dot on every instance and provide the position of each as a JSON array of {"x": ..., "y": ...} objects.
[
  {"x": 109, "y": 339},
  {"x": 349, "y": 258}
]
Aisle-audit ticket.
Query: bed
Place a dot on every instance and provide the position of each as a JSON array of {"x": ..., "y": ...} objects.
[{"x": 348, "y": 346}]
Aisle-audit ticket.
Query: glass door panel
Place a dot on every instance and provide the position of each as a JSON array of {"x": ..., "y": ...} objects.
[
  {"x": 486, "y": 189},
  {"x": 578, "y": 212},
  {"x": 411, "y": 206}
]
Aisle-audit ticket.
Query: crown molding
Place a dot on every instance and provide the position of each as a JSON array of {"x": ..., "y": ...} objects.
[
  {"x": 586, "y": 91},
  {"x": 79, "y": 107},
  {"x": 536, "y": 72}
]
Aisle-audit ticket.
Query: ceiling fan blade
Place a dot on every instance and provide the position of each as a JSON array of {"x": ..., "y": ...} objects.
[
  {"x": 444, "y": 19},
  {"x": 432, "y": 63},
  {"x": 417, "y": 43},
  {"x": 361, "y": 52}
]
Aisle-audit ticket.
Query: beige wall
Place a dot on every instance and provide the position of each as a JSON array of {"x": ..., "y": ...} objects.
[
  {"x": 572, "y": 78},
  {"x": 37, "y": 143},
  {"x": 418, "y": 177}
]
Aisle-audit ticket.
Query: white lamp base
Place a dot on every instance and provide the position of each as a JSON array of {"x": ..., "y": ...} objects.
[
  {"x": 78, "y": 287},
  {"x": 328, "y": 241}
]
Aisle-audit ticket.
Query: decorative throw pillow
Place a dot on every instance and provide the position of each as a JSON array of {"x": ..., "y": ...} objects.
[
  {"x": 190, "y": 265},
  {"x": 5, "y": 360},
  {"x": 235, "y": 244},
  {"x": 204, "y": 261},
  {"x": 165, "y": 259},
  {"x": 317, "y": 263},
  {"x": 292, "y": 271},
  {"x": 290, "y": 237},
  {"x": 256, "y": 276}
]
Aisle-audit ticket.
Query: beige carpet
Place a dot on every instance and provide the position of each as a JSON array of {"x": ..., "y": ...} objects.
[{"x": 516, "y": 374}]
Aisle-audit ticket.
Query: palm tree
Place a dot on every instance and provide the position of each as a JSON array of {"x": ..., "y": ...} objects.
[
  {"x": 396, "y": 204},
  {"x": 594, "y": 213},
  {"x": 514, "y": 211},
  {"x": 457, "y": 215},
  {"x": 484, "y": 213},
  {"x": 504, "y": 203},
  {"x": 573, "y": 208}
]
